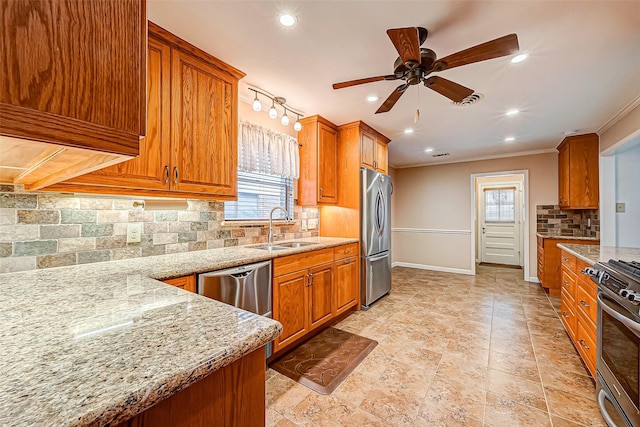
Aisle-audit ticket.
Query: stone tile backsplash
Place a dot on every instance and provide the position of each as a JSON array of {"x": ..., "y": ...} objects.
[
  {"x": 578, "y": 223},
  {"x": 44, "y": 230}
]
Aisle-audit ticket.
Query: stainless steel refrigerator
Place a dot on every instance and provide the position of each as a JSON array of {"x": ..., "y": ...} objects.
[{"x": 375, "y": 236}]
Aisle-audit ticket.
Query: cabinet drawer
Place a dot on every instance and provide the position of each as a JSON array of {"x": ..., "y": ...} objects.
[
  {"x": 567, "y": 260},
  {"x": 568, "y": 282},
  {"x": 586, "y": 302},
  {"x": 291, "y": 263},
  {"x": 586, "y": 343},
  {"x": 567, "y": 315},
  {"x": 346, "y": 251}
]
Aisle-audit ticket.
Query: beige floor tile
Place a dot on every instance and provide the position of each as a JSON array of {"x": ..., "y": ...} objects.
[
  {"x": 411, "y": 379},
  {"x": 580, "y": 384},
  {"x": 575, "y": 408},
  {"x": 501, "y": 411},
  {"x": 318, "y": 410},
  {"x": 434, "y": 415},
  {"x": 283, "y": 393},
  {"x": 353, "y": 389},
  {"x": 516, "y": 388},
  {"x": 457, "y": 396},
  {"x": 518, "y": 365},
  {"x": 390, "y": 403},
  {"x": 457, "y": 366},
  {"x": 562, "y": 422}
]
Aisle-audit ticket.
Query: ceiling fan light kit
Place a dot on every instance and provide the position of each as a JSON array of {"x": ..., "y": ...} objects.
[
  {"x": 415, "y": 64},
  {"x": 273, "y": 112}
]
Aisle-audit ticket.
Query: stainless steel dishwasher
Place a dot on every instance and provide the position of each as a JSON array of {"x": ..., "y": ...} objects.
[{"x": 247, "y": 287}]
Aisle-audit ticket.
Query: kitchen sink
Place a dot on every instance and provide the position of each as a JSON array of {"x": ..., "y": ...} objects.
[
  {"x": 271, "y": 247},
  {"x": 296, "y": 244}
]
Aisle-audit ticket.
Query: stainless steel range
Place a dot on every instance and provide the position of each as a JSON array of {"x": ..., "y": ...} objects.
[{"x": 618, "y": 341}]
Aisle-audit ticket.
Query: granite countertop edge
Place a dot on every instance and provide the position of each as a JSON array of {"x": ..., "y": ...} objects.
[
  {"x": 592, "y": 254},
  {"x": 561, "y": 237},
  {"x": 114, "y": 276}
]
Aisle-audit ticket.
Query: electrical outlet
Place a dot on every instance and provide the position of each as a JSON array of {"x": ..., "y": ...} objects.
[
  {"x": 312, "y": 224},
  {"x": 620, "y": 207},
  {"x": 134, "y": 232},
  {"x": 304, "y": 224}
]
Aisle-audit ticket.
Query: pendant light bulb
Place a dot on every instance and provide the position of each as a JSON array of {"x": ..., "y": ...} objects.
[
  {"x": 285, "y": 118},
  {"x": 297, "y": 126},
  {"x": 257, "y": 106},
  {"x": 273, "y": 113}
]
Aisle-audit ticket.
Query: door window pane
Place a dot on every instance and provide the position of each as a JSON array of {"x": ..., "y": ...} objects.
[{"x": 499, "y": 205}]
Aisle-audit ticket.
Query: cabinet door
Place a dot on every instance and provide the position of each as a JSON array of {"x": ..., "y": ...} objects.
[
  {"x": 73, "y": 73},
  {"x": 150, "y": 170},
  {"x": 346, "y": 284},
  {"x": 188, "y": 283},
  {"x": 381, "y": 157},
  {"x": 320, "y": 295},
  {"x": 367, "y": 150},
  {"x": 204, "y": 121},
  {"x": 290, "y": 306},
  {"x": 327, "y": 164},
  {"x": 563, "y": 176}
]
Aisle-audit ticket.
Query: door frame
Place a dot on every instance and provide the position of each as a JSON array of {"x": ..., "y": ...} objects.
[
  {"x": 525, "y": 214},
  {"x": 480, "y": 215}
]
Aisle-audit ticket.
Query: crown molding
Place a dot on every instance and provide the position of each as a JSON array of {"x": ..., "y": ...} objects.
[
  {"x": 619, "y": 115},
  {"x": 480, "y": 158}
]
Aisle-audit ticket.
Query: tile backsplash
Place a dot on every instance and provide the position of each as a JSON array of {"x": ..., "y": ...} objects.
[
  {"x": 44, "y": 230},
  {"x": 578, "y": 223}
]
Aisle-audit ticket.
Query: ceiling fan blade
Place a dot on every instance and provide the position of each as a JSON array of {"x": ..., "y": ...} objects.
[
  {"x": 363, "y": 81},
  {"x": 407, "y": 43},
  {"x": 451, "y": 90},
  {"x": 392, "y": 99},
  {"x": 506, "y": 45}
]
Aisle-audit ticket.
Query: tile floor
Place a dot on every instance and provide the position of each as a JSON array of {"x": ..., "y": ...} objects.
[{"x": 454, "y": 350}]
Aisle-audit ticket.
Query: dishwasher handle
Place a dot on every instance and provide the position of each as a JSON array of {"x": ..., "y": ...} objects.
[{"x": 237, "y": 272}]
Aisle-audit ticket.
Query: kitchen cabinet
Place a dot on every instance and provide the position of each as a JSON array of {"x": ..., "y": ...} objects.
[
  {"x": 191, "y": 148},
  {"x": 188, "y": 283},
  {"x": 549, "y": 261},
  {"x": 579, "y": 308},
  {"x": 312, "y": 288},
  {"x": 578, "y": 162},
  {"x": 373, "y": 149},
  {"x": 318, "y": 183},
  {"x": 231, "y": 396},
  {"x": 73, "y": 97}
]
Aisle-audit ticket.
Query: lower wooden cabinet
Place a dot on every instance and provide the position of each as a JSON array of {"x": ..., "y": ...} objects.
[
  {"x": 188, "y": 283},
  {"x": 311, "y": 289},
  {"x": 549, "y": 261},
  {"x": 578, "y": 309}
]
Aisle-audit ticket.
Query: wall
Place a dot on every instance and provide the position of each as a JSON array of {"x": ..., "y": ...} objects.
[
  {"x": 435, "y": 201},
  {"x": 625, "y": 129},
  {"x": 245, "y": 111},
  {"x": 627, "y": 179},
  {"x": 44, "y": 230}
]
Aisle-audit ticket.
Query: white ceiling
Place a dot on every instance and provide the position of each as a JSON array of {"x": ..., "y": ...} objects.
[{"x": 583, "y": 66}]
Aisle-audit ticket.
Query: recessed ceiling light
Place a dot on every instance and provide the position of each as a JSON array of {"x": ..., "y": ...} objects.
[
  {"x": 287, "y": 20},
  {"x": 428, "y": 150},
  {"x": 519, "y": 58},
  {"x": 408, "y": 130},
  {"x": 509, "y": 139},
  {"x": 512, "y": 112},
  {"x": 372, "y": 98}
]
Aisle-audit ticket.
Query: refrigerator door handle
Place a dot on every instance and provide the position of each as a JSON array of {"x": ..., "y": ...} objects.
[
  {"x": 379, "y": 257},
  {"x": 380, "y": 212}
]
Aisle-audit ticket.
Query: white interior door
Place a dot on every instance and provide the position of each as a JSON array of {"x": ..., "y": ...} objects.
[{"x": 500, "y": 224}]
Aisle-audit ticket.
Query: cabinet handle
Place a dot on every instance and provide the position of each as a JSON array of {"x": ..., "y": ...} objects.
[
  {"x": 584, "y": 304},
  {"x": 565, "y": 283},
  {"x": 586, "y": 347},
  {"x": 175, "y": 175},
  {"x": 166, "y": 174},
  {"x": 375, "y": 164},
  {"x": 565, "y": 259},
  {"x": 310, "y": 279},
  {"x": 565, "y": 315},
  {"x": 348, "y": 261},
  {"x": 347, "y": 251},
  {"x": 320, "y": 192}
]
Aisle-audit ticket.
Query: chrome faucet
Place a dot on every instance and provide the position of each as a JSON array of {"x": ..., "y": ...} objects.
[{"x": 286, "y": 214}]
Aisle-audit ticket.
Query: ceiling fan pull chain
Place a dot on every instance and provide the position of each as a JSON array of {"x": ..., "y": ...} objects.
[{"x": 416, "y": 116}]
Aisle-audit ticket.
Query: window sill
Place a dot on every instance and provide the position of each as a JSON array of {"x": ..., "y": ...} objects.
[{"x": 254, "y": 223}]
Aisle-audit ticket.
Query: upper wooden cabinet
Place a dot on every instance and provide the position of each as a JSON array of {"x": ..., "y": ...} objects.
[
  {"x": 318, "y": 183},
  {"x": 191, "y": 147},
  {"x": 73, "y": 92},
  {"x": 578, "y": 172},
  {"x": 373, "y": 149}
]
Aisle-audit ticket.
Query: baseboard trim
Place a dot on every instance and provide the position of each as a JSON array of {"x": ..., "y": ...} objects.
[
  {"x": 534, "y": 279},
  {"x": 433, "y": 267}
]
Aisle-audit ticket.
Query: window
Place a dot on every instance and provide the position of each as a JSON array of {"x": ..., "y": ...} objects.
[
  {"x": 258, "y": 193},
  {"x": 499, "y": 205}
]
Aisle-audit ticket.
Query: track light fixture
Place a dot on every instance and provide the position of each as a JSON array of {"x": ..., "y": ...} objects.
[{"x": 273, "y": 112}]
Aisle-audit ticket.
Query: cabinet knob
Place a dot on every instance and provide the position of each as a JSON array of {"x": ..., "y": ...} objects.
[
  {"x": 347, "y": 251},
  {"x": 565, "y": 283},
  {"x": 586, "y": 347},
  {"x": 348, "y": 261},
  {"x": 565, "y": 259},
  {"x": 564, "y": 314},
  {"x": 584, "y": 304}
]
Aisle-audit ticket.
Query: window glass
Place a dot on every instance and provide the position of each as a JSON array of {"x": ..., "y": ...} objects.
[
  {"x": 499, "y": 205},
  {"x": 258, "y": 193}
]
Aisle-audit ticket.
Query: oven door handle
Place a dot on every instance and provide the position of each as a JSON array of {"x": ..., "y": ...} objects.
[
  {"x": 601, "y": 398},
  {"x": 633, "y": 325}
]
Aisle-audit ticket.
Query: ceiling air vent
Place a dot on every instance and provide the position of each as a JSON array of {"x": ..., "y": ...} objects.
[
  {"x": 440, "y": 155},
  {"x": 474, "y": 98}
]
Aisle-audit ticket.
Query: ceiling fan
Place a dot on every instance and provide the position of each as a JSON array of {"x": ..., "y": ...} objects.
[{"x": 415, "y": 64}]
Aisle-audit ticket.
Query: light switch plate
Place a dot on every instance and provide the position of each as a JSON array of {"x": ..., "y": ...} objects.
[
  {"x": 312, "y": 224},
  {"x": 620, "y": 207},
  {"x": 134, "y": 232},
  {"x": 304, "y": 224}
]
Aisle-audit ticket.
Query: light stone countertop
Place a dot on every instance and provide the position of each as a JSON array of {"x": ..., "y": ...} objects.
[
  {"x": 562, "y": 237},
  {"x": 95, "y": 344},
  {"x": 594, "y": 253}
]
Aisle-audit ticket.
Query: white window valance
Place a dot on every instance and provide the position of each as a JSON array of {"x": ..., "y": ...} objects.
[{"x": 265, "y": 150}]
